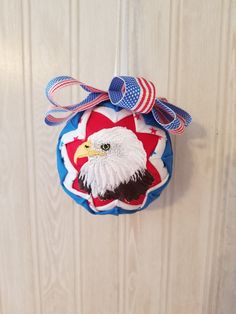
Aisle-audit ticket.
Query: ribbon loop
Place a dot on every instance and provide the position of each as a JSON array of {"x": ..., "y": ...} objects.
[
  {"x": 170, "y": 117},
  {"x": 135, "y": 94},
  {"x": 130, "y": 93},
  {"x": 95, "y": 97}
]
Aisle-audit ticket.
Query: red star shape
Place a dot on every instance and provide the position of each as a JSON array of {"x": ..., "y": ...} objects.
[
  {"x": 95, "y": 123},
  {"x": 153, "y": 131}
]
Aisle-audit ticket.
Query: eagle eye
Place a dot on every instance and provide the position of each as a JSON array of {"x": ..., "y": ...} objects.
[{"x": 105, "y": 147}]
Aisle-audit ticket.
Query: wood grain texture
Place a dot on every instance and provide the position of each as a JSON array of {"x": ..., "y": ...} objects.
[
  {"x": 98, "y": 235},
  {"x": 145, "y": 239},
  {"x": 17, "y": 293},
  {"x": 50, "y": 49},
  {"x": 178, "y": 256}
]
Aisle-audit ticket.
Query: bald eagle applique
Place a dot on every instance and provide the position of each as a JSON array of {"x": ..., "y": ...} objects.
[
  {"x": 114, "y": 160},
  {"x": 116, "y": 166}
]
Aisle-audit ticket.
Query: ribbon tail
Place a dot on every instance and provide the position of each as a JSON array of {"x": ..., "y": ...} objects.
[
  {"x": 53, "y": 116},
  {"x": 58, "y": 115}
]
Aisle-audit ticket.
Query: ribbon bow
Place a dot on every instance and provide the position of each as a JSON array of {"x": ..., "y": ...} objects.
[{"x": 134, "y": 94}]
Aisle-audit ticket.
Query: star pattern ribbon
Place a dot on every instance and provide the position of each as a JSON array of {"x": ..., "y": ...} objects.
[{"x": 131, "y": 93}]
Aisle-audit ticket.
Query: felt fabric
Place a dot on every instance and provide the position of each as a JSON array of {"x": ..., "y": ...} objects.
[{"x": 113, "y": 161}]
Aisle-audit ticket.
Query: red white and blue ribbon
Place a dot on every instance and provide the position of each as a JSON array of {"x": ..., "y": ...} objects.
[{"x": 131, "y": 93}]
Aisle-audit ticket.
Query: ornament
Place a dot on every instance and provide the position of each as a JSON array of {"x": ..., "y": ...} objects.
[{"x": 114, "y": 155}]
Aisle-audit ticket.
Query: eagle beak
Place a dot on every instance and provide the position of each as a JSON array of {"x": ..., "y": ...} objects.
[{"x": 85, "y": 150}]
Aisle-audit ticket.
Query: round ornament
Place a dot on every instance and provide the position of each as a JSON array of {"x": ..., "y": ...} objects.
[
  {"x": 113, "y": 161},
  {"x": 114, "y": 155}
]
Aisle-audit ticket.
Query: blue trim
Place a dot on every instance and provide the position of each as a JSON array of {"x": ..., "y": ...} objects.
[{"x": 167, "y": 158}]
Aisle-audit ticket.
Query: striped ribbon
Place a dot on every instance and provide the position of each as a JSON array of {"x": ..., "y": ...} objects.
[{"x": 131, "y": 93}]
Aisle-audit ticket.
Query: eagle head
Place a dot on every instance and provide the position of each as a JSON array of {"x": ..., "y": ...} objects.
[{"x": 116, "y": 166}]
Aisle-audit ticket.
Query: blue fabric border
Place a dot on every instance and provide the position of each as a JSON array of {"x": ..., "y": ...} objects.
[{"x": 167, "y": 158}]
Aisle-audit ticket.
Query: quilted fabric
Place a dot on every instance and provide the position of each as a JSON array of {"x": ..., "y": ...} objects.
[{"x": 113, "y": 161}]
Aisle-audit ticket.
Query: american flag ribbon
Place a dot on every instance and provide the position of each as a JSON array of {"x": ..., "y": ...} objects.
[{"x": 131, "y": 93}]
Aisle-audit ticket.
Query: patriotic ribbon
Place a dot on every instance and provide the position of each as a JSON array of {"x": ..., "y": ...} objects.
[{"x": 131, "y": 93}]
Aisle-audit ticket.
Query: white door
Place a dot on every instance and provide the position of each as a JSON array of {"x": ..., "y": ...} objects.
[{"x": 178, "y": 256}]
